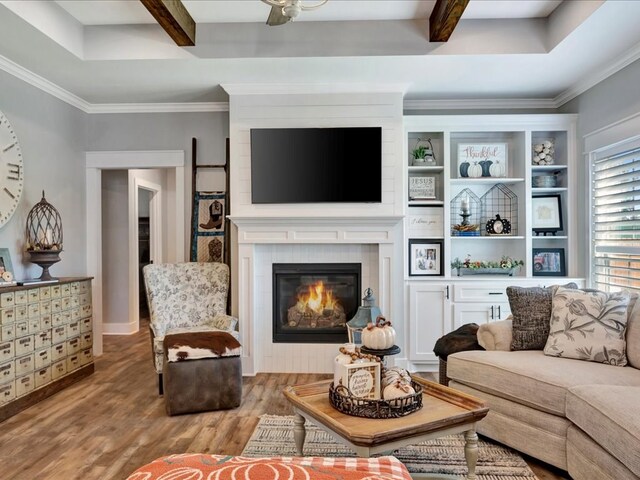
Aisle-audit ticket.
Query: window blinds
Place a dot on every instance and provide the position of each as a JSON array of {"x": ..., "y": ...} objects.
[{"x": 616, "y": 221}]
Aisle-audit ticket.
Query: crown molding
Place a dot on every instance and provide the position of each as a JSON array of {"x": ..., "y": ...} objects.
[
  {"x": 158, "y": 107},
  {"x": 320, "y": 88},
  {"x": 495, "y": 103},
  {"x": 42, "y": 83},
  {"x": 590, "y": 81}
]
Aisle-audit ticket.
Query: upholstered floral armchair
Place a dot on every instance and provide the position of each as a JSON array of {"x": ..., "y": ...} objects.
[{"x": 186, "y": 297}]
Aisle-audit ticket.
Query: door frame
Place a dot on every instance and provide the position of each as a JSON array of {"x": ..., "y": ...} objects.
[{"x": 124, "y": 160}]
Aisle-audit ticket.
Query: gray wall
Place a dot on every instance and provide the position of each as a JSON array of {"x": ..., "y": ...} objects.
[
  {"x": 611, "y": 100},
  {"x": 115, "y": 246},
  {"x": 52, "y": 137}
]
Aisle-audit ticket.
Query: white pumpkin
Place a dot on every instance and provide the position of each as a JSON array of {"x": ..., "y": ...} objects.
[
  {"x": 397, "y": 390},
  {"x": 497, "y": 169},
  {"x": 538, "y": 147},
  {"x": 380, "y": 336},
  {"x": 394, "y": 374},
  {"x": 475, "y": 170}
]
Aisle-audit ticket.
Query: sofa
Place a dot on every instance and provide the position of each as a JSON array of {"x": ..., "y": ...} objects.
[{"x": 580, "y": 416}]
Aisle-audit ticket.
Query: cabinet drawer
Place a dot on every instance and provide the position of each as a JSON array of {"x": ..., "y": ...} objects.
[
  {"x": 7, "y": 315},
  {"x": 58, "y": 351},
  {"x": 66, "y": 303},
  {"x": 86, "y": 311},
  {"x": 24, "y": 385},
  {"x": 73, "y": 329},
  {"x": 21, "y": 297},
  {"x": 479, "y": 313},
  {"x": 25, "y": 364},
  {"x": 22, "y": 328},
  {"x": 85, "y": 286},
  {"x": 75, "y": 301},
  {"x": 33, "y": 295},
  {"x": 56, "y": 291},
  {"x": 45, "y": 293},
  {"x": 45, "y": 307},
  {"x": 86, "y": 340},
  {"x": 75, "y": 288},
  {"x": 73, "y": 362},
  {"x": 22, "y": 312},
  {"x": 58, "y": 369},
  {"x": 6, "y": 351},
  {"x": 33, "y": 324},
  {"x": 86, "y": 325},
  {"x": 42, "y": 358},
  {"x": 7, "y": 371},
  {"x": 75, "y": 313},
  {"x": 43, "y": 376},
  {"x": 56, "y": 320},
  {"x": 58, "y": 334},
  {"x": 56, "y": 305},
  {"x": 24, "y": 345},
  {"x": 7, "y": 332},
  {"x": 85, "y": 299},
  {"x": 73, "y": 345},
  {"x": 33, "y": 310},
  {"x": 43, "y": 339},
  {"x": 66, "y": 290},
  {"x": 7, "y": 392},
  {"x": 7, "y": 300},
  {"x": 86, "y": 356},
  {"x": 45, "y": 322},
  {"x": 478, "y": 293}
]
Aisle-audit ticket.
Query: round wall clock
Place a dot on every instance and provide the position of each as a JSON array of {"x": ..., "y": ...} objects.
[
  {"x": 11, "y": 171},
  {"x": 498, "y": 226}
]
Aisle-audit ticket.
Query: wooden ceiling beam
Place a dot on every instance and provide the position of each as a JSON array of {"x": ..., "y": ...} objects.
[
  {"x": 444, "y": 18},
  {"x": 174, "y": 18}
]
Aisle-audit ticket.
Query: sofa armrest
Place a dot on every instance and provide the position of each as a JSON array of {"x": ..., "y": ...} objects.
[{"x": 496, "y": 335}]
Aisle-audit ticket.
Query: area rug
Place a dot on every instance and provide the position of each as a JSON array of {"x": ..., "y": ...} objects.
[{"x": 273, "y": 436}]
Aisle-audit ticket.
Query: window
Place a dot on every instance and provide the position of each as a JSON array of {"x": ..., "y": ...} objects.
[{"x": 616, "y": 221}]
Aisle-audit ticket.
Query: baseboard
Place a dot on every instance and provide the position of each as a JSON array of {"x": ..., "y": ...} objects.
[{"x": 119, "y": 328}]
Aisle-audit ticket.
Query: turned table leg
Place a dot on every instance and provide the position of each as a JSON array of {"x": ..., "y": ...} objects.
[
  {"x": 471, "y": 452},
  {"x": 298, "y": 432}
]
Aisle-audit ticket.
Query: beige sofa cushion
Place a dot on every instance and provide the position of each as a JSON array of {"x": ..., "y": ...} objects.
[
  {"x": 610, "y": 416},
  {"x": 531, "y": 378},
  {"x": 633, "y": 336}
]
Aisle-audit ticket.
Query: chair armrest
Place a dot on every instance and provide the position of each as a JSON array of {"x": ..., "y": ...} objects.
[{"x": 496, "y": 335}]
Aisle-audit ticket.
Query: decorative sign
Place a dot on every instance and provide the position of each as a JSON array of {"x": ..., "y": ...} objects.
[
  {"x": 425, "y": 222},
  {"x": 422, "y": 188},
  {"x": 362, "y": 379},
  {"x": 477, "y": 160}
]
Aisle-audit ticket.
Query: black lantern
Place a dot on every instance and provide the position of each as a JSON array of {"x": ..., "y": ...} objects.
[
  {"x": 44, "y": 236},
  {"x": 367, "y": 313}
]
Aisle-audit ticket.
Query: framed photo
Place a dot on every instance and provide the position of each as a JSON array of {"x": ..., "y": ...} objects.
[
  {"x": 426, "y": 222},
  {"x": 6, "y": 268},
  {"x": 549, "y": 262},
  {"x": 477, "y": 160},
  {"x": 426, "y": 257},
  {"x": 422, "y": 188},
  {"x": 546, "y": 214}
]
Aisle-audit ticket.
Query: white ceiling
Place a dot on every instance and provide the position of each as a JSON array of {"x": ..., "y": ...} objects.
[{"x": 112, "y": 53}]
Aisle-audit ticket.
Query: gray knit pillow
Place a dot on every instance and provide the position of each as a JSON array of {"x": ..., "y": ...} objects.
[{"x": 531, "y": 310}]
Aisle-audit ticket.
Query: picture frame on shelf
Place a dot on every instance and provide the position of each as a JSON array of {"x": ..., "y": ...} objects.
[
  {"x": 549, "y": 262},
  {"x": 476, "y": 160},
  {"x": 546, "y": 214},
  {"x": 422, "y": 188},
  {"x": 426, "y": 257},
  {"x": 426, "y": 222},
  {"x": 6, "y": 269}
]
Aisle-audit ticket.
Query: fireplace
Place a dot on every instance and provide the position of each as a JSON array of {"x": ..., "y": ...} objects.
[{"x": 313, "y": 301}]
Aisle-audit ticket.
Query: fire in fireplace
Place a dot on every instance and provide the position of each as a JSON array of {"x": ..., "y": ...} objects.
[{"x": 312, "y": 302}]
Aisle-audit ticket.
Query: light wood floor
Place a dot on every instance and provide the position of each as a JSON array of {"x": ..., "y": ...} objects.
[{"x": 107, "y": 425}]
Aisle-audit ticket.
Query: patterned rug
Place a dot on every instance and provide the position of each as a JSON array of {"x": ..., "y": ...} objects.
[{"x": 274, "y": 436}]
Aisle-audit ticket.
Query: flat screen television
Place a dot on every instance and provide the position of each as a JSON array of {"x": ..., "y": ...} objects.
[{"x": 316, "y": 165}]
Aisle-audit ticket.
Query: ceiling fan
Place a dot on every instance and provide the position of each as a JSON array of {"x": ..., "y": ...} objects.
[{"x": 283, "y": 11}]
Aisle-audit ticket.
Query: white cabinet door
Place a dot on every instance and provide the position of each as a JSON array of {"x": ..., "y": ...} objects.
[
  {"x": 429, "y": 319},
  {"x": 479, "y": 313}
]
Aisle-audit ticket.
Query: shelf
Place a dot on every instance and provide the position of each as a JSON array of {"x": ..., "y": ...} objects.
[
  {"x": 425, "y": 202},
  {"x": 427, "y": 169},
  {"x": 548, "y": 190},
  {"x": 486, "y": 180},
  {"x": 550, "y": 237},
  {"x": 547, "y": 168},
  {"x": 492, "y": 237}
]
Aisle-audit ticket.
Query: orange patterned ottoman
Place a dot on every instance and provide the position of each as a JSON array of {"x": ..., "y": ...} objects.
[{"x": 197, "y": 466}]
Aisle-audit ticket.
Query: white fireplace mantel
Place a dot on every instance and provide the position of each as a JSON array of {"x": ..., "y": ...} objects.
[{"x": 333, "y": 234}]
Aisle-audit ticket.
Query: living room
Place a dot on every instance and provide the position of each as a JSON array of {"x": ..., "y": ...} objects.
[{"x": 98, "y": 95}]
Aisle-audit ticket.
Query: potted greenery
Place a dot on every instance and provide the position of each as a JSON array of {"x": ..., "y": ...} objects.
[
  {"x": 504, "y": 266},
  {"x": 423, "y": 154}
]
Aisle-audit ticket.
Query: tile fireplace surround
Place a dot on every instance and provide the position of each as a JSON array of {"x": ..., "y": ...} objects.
[{"x": 373, "y": 242}]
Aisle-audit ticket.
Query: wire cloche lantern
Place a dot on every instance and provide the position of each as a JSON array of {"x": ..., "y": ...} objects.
[{"x": 44, "y": 236}]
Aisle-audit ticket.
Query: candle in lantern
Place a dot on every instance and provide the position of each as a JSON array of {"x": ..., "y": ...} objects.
[{"x": 465, "y": 204}]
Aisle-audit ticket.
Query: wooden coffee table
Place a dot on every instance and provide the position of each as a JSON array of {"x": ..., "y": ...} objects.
[{"x": 445, "y": 411}]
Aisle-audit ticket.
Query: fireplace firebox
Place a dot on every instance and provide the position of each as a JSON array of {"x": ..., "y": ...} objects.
[{"x": 313, "y": 301}]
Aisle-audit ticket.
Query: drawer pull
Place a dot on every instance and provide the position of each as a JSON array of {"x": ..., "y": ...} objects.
[
  {"x": 499, "y": 314},
  {"x": 495, "y": 293}
]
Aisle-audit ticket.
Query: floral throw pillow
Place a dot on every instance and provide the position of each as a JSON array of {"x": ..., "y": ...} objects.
[{"x": 588, "y": 325}]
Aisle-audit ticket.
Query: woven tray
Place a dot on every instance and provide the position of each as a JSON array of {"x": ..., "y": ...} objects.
[{"x": 341, "y": 399}]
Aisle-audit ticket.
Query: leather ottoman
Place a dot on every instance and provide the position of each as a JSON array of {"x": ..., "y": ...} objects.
[{"x": 202, "y": 372}]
